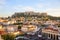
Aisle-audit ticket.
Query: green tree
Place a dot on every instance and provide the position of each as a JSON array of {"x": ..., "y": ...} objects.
[
  {"x": 19, "y": 27},
  {"x": 8, "y": 37}
]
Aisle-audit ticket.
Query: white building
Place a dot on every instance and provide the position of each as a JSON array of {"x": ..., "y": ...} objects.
[
  {"x": 29, "y": 29},
  {"x": 11, "y": 28}
]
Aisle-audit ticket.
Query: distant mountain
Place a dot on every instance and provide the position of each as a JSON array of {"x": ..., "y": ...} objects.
[
  {"x": 53, "y": 18},
  {"x": 34, "y": 14},
  {"x": 18, "y": 14}
]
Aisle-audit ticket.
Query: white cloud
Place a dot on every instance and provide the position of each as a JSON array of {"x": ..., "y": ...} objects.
[
  {"x": 40, "y": 5},
  {"x": 28, "y": 8},
  {"x": 50, "y": 11},
  {"x": 53, "y": 12},
  {"x": 23, "y": 8},
  {"x": 2, "y": 3}
]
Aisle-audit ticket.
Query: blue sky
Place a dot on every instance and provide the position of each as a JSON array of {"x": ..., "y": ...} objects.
[{"x": 9, "y": 7}]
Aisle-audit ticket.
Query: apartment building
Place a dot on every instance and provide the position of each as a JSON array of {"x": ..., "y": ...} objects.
[{"x": 51, "y": 32}]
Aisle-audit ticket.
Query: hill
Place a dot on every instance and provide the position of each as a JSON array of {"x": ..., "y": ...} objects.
[{"x": 34, "y": 14}]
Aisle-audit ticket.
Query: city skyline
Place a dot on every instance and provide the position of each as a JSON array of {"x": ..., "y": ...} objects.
[{"x": 9, "y": 7}]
